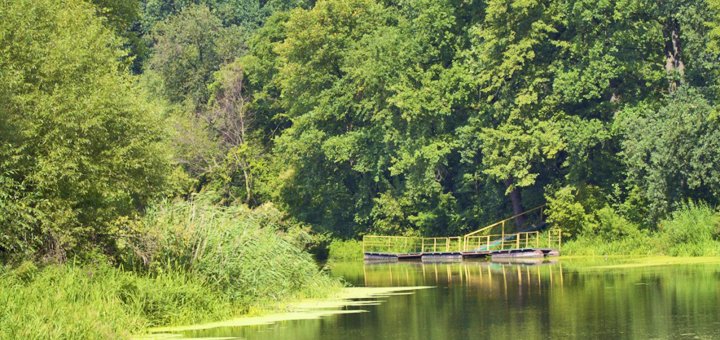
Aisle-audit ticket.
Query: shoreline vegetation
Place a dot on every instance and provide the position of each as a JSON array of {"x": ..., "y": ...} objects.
[
  {"x": 197, "y": 262},
  {"x": 693, "y": 230},
  {"x": 173, "y": 162}
]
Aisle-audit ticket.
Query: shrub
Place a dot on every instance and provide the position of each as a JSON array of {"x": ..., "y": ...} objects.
[
  {"x": 567, "y": 210},
  {"x": 349, "y": 250},
  {"x": 250, "y": 255},
  {"x": 611, "y": 226},
  {"x": 690, "y": 229}
]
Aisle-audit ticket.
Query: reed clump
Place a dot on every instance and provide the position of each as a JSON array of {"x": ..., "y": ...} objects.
[
  {"x": 250, "y": 255},
  {"x": 185, "y": 262},
  {"x": 100, "y": 302}
]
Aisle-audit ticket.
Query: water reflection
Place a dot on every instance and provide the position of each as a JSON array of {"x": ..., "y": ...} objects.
[
  {"x": 567, "y": 299},
  {"x": 488, "y": 276}
]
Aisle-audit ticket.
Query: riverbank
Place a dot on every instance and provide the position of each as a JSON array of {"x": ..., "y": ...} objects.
[
  {"x": 693, "y": 230},
  {"x": 101, "y": 302},
  {"x": 184, "y": 262}
]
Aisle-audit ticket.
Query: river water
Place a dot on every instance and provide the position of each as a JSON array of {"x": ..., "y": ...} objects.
[{"x": 584, "y": 299}]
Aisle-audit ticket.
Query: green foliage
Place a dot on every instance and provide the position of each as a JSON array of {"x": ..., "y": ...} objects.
[
  {"x": 640, "y": 245},
  {"x": 690, "y": 230},
  {"x": 612, "y": 226},
  {"x": 714, "y": 25},
  {"x": 189, "y": 47},
  {"x": 572, "y": 211},
  {"x": 353, "y": 116},
  {"x": 671, "y": 151},
  {"x": 249, "y": 255},
  {"x": 98, "y": 302},
  {"x": 247, "y": 13},
  {"x": 123, "y": 16},
  {"x": 81, "y": 148},
  {"x": 193, "y": 262},
  {"x": 348, "y": 250}
]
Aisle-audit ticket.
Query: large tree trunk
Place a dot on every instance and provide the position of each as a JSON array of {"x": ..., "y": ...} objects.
[
  {"x": 516, "y": 200},
  {"x": 673, "y": 54}
]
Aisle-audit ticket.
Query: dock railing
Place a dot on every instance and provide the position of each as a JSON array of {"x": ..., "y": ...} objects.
[
  {"x": 513, "y": 224},
  {"x": 411, "y": 245},
  {"x": 531, "y": 239},
  {"x": 551, "y": 238},
  {"x": 515, "y": 232}
]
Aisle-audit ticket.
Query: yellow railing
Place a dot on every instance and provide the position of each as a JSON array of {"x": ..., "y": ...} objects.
[
  {"x": 392, "y": 244},
  {"x": 530, "y": 239},
  {"x": 473, "y": 243},
  {"x": 505, "y": 227},
  {"x": 411, "y": 245},
  {"x": 500, "y": 235},
  {"x": 441, "y": 244}
]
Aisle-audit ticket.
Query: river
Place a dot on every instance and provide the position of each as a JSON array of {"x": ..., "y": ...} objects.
[{"x": 599, "y": 298}]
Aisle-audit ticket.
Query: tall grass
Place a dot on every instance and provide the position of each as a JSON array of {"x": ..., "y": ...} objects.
[
  {"x": 99, "y": 302},
  {"x": 250, "y": 255},
  {"x": 692, "y": 230},
  {"x": 191, "y": 262}
]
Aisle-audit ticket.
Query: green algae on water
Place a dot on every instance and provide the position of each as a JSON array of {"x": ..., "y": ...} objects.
[{"x": 302, "y": 310}]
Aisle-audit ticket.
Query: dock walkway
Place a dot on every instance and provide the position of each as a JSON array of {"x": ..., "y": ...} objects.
[{"x": 502, "y": 239}]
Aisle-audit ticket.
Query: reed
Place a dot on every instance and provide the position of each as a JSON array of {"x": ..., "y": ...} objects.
[
  {"x": 99, "y": 302},
  {"x": 249, "y": 255},
  {"x": 186, "y": 262}
]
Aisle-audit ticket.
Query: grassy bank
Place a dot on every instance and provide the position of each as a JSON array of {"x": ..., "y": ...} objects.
[
  {"x": 184, "y": 263},
  {"x": 100, "y": 302},
  {"x": 693, "y": 230}
]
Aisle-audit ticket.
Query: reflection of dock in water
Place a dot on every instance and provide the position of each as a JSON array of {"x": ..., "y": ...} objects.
[{"x": 481, "y": 274}]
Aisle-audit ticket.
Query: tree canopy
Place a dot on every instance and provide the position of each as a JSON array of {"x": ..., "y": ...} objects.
[{"x": 429, "y": 117}]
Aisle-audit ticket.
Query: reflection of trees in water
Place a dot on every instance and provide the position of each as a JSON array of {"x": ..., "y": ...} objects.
[{"x": 519, "y": 301}]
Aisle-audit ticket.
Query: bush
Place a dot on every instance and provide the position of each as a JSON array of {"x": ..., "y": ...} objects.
[
  {"x": 611, "y": 226},
  {"x": 690, "y": 230},
  {"x": 571, "y": 209},
  {"x": 349, "y": 250},
  {"x": 250, "y": 255}
]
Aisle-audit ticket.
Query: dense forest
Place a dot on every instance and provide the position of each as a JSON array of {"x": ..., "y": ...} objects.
[
  {"x": 353, "y": 116},
  {"x": 136, "y": 132}
]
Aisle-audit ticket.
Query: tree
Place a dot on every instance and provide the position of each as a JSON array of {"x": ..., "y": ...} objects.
[
  {"x": 189, "y": 47},
  {"x": 672, "y": 151},
  {"x": 518, "y": 129},
  {"x": 82, "y": 150},
  {"x": 124, "y": 17}
]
